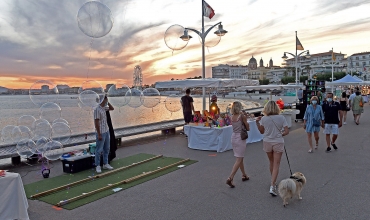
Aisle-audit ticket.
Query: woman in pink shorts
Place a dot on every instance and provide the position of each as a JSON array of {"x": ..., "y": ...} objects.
[
  {"x": 238, "y": 144},
  {"x": 273, "y": 127}
]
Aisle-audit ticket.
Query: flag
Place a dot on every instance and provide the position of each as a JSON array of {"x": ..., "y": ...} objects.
[
  {"x": 299, "y": 46},
  {"x": 333, "y": 56},
  {"x": 207, "y": 10},
  {"x": 364, "y": 68}
]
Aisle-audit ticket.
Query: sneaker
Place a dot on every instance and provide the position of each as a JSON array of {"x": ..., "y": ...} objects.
[
  {"x": 334, "y": 146},
  {"x": 273, "y": 190},
  {"x": 328, "y": 150},
  {"x": 98, "y": 169},
  {"x": 107, "y": 167},
  {"x": 344, "y": 123}
]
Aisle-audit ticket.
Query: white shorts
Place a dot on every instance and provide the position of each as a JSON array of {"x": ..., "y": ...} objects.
[{"x": 331, "y": 129}]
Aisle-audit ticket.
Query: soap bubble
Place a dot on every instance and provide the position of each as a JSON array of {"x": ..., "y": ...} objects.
[
  {"x": 61, "y": 132},
  {"x": 26, "y": 120},
  {"x": 6, "y": 133},
  {"x": 26, "y": 148},
  {"x": 91, "y": 93},
  {"x": 119, "y": 94},
  {"x": 151, "y": 97},
  {"x": 50, "y": 111},
  {"x": 60, "y": 120},
  {"x": 95, "y": 19},
  {"x": 211, "y": 39},
  {"x": 172, "y": 37},
  {"x": 84, "y": 107},
  {"x": 43, "y": 91},
  {"x": 41, "y": 144},
  {"x": 136, "y": 97},
  {"x": 54, "y": 150},
  {"x": 41, "y": 128},
  {"x": 21, "y": 132},
  {"x": 173, "y": 103}
]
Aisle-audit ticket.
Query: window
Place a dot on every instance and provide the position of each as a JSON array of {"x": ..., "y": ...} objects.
[
  {"x": 357, "y": 64},
  {"x": 363, "y": 63},
  {"x": 356, "y": 58},
  {"x": 363, "y": 57}
]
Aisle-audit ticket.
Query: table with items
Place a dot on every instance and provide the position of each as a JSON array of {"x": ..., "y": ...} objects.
[{"x": 13, "y": 200}]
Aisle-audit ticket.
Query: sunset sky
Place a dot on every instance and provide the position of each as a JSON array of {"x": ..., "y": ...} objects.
[{"x": 40, "y": 39}]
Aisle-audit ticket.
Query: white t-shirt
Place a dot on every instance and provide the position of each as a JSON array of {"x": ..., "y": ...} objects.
[{"x": 273, "y": 132}]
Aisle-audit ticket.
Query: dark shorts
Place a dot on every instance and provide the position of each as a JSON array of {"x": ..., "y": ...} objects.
[{"x": 188, "y": 117}]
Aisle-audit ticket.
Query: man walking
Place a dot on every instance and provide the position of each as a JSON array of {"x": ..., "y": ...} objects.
[
  {"x": 102, "y": 136},
  {"x": 351, "y": 97},
  {"x": 333, "y": 120}
]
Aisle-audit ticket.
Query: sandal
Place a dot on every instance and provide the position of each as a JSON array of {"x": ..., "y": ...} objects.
[
  {"x": 229, "y": 182},
  {"x": 245, "y": 178},
  {"x": 310, "y": 151},
  {"x": 316, "y": 146}
]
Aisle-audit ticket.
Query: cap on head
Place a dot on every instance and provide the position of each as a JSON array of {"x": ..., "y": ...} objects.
[{"x": 214, "y": 98}]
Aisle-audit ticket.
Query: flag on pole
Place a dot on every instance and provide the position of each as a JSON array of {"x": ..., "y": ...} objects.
[
  {"x": 333, "y": 56},
  {"x": 299, "y": 46},
  {"x": 207, "y": 10},
  {"x": 364, "y": 67}
]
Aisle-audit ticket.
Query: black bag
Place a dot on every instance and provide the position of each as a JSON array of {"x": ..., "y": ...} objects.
[
  {"x": 316, "y": 122},
  {"x": 244, "y": 132}
]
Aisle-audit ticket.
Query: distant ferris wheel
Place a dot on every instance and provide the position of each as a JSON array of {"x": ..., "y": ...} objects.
[{"x": 138, "y": 77}]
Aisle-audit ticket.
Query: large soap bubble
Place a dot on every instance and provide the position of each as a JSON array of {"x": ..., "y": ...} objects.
[
  {"x": 26, "y": 148},
  {"x": 136, "y": 98},
  {"x": 84, "y": 107},
  {"x": 41, "y": 128},
  {"x": 6, "y": 133},
  {"x": 151, "y": 97},
  {"x": 26, "y": 120},
  {"x": 91, "y": 93},
  {"x": 172, "y": 37},
  {"x": 95, "y": 19},
  {"x": 54, "y": 150},
  {"x": 60, "y": 120},
  {"x": 43, "y": 91},
  {"x": 119, "y": 94},
  {"x": 60, "y": 132},
  {"x": 41, "y": 144},
  {"x": 50, "y": 111},
  {"x": 21, "y": 132},
  {"x": 173, "y": 103},
  {"x": 211, "y": 39}
]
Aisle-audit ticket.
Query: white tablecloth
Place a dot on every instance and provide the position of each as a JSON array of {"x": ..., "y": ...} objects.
[
  {"x": 254, "y": 134},
  {"x": 13, "y": 200},
  {"x": 206, "y": 138},
  {"x": 288, "y": 116}
]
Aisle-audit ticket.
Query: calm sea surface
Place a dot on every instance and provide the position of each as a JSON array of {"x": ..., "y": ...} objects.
[{"x": 80, "y": 120}]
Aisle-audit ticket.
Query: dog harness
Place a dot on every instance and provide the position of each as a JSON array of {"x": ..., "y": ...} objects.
[{"x": 296, "y": 179}]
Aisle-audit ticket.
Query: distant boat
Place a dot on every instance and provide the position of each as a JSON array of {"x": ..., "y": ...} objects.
[{"x": 73, "y": 97}]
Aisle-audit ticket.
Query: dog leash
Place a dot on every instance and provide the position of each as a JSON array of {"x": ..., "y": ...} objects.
[{"x": 284, "y": 146}]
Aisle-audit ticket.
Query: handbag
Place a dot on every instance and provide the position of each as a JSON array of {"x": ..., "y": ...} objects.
[
  {"x": 244, "y": 132},
  {"x": 361, "y": 103}
]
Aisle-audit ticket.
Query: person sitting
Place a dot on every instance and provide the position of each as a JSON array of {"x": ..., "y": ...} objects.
[{"x": 213, "y": 108}]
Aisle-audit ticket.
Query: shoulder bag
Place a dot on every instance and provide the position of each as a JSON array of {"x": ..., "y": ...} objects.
[
  {"x": 361, "y": 102},
  {"x": 244, "y": 132},
  {"x": 315, "y": 122}
]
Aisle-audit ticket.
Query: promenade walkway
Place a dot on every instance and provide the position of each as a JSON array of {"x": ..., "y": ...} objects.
[{"x": 338, "y": 182}]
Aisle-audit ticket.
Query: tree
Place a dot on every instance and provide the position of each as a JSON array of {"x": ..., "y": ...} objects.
[
  {"x": 264, "y": 81},
  {"x": 288, "y": 79}
]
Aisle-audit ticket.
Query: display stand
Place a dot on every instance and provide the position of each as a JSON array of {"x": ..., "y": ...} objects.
[{"x": 312, "y": 89}]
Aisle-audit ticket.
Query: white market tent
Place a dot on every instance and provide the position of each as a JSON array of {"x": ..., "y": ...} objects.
[
  {"x": 347, "y": 80},
  {"x": 270, "y": 87},
  {"x": 210, "y": 82}
]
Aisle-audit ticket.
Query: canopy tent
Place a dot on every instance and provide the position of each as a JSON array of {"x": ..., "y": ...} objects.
[
  {"x": 357, "y": 78},
  {"x": 270, "y": 87},
  {"x": 210, "y": 82},
  {"x": 347, "y": 80}
]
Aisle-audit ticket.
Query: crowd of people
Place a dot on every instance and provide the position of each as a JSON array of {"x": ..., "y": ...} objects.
[{"x": 322, "y": 112}]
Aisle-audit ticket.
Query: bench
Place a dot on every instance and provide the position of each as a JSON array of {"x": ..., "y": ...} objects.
[{"x": 10, "y": 150}]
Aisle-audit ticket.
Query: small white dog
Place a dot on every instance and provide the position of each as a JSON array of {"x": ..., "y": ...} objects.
[{"x": 292, "y": 187}]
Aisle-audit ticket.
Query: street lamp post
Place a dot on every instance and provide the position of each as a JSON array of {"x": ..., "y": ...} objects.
[
  {"x": 186, "y": 37},
  {"x": 296, "y": 64}
]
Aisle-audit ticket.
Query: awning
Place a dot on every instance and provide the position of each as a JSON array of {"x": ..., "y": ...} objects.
[{"x": 210, "y": 82}]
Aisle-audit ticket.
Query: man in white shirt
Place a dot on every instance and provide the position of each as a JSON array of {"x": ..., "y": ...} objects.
[
  {"x": 102, "y": 136},
  {"x": 351, "y": 97}
]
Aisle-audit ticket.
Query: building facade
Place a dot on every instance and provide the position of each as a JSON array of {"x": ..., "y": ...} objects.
[{"x": 224, "y": 71}]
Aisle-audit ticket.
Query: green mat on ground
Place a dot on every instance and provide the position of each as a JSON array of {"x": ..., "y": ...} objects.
[{"x": 68, "y": 193}]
